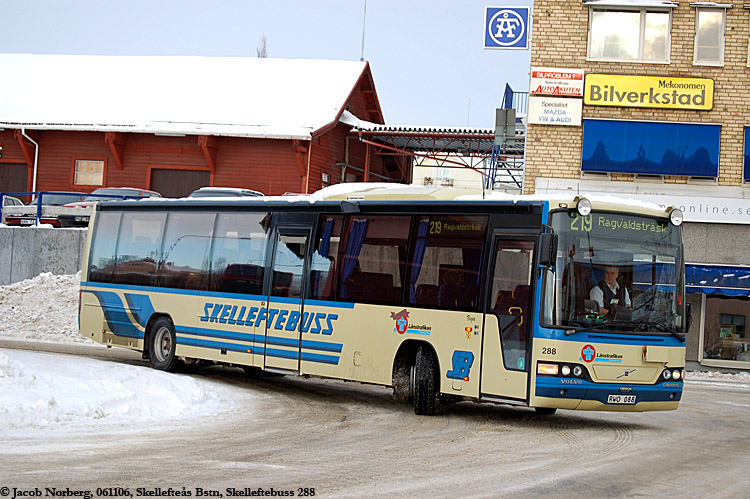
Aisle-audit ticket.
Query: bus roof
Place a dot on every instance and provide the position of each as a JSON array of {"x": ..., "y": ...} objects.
[{"x": 385, "y": 192}]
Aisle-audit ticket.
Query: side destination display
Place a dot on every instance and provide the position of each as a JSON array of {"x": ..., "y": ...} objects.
[{"x": 649, "y": 91}]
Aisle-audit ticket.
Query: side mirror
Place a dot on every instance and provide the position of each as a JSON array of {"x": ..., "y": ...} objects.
[
  {"x": 688, "y": 317},
  {"x": 547, "y": 249}
]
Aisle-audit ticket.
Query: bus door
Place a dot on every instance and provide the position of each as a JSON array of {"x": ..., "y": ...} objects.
[
  {"x": 284, "y": 310},
  {"x": 509, "y": 319}
]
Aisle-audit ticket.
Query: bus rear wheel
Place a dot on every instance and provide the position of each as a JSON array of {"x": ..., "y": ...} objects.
[
  {"x": 425, "y": 382},
  {"x": 161, "y": 347}
]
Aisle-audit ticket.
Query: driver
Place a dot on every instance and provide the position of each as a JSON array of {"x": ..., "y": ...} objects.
[{"x": 608, "y": 294}]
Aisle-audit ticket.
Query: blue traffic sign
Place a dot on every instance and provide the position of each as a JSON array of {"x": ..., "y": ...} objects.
[{"x": 506, "y": 28}]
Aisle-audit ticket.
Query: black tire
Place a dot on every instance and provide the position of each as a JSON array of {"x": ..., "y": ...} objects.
[
  {"x": 425, "y": 382},
  {"x": 252, "y": 371},
  {"x": 545, "y": 411},
  {"x": 161, "y": 346}
]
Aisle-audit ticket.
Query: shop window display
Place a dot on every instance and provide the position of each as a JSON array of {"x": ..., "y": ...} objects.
[{"x": 724, "y": 335}]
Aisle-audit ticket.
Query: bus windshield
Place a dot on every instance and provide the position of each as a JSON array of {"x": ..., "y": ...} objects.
[{"x": 615, "y": 272}]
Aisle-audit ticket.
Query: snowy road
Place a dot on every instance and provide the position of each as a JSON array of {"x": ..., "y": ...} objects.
[{"x": 351, "y": 440}]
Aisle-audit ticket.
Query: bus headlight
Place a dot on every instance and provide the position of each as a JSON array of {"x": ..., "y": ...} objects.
[
  {"x": 675, "y": 216},
  {"x": 667, "y": 374},
  {"x": 561, "y": 370},
  {"x": 548, "y": 369},
  {"x": 676, "y": 374},
  {"x": 583, "y": 206}
]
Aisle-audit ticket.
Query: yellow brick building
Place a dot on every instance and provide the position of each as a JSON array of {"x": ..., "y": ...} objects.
[{"x": 639, "y": 147}]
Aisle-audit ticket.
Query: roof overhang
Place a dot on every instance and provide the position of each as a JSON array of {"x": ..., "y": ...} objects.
[
  {"x": 171, "y": 129},
  {"x": 664, "y": 4},
  {"x": 712, "y": 5},
  {"x": 473, "y": 142},
  {"x": 432, "y": 141}
]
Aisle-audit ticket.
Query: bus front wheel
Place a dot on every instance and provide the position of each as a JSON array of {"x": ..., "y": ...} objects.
[
  {"x": 425, "y": 382},
  {"x": 161, "y": 347}
]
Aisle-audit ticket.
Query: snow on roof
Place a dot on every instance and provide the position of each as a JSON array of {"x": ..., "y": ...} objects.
[{"x": 245, "y": 97}]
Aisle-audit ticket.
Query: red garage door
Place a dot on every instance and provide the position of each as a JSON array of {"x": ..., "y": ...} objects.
[
  {"x": 12, "y": 177},
  {"x": 178, "y": 183}
]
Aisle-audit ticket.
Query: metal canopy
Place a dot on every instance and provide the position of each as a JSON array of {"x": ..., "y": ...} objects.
[
  {"x": 452, "y": 147},
  {"x": 435, "y": 141}
]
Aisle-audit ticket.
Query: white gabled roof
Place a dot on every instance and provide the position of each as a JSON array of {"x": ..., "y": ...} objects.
[{"x": 246, "y": 97}]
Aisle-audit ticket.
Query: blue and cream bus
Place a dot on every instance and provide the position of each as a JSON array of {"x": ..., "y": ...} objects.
[{"x": 439, "y": 293}]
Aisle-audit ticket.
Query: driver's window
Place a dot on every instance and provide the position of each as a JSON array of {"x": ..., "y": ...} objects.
[{"x": 511, "y": 290}]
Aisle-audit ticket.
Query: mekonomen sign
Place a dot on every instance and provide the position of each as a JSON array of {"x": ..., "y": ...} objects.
[{"x": 649, "y": 91}]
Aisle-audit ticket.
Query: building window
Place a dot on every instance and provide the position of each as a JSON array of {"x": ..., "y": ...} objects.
[
  {"x": 651, "y": 148},
  {"x": 710, "y": 26},
  {"x": 746, "y": 175},
  {"x": 732, "y": 326},
  {"x": 724, "y": 336},
  {"x": 639, "y": 35},
  {"x": 89, "y": 172}
]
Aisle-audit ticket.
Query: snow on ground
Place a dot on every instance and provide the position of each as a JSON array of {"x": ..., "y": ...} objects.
[
  {"x": 50, "y": 390},
  {"x": 54, "y": 391},
  {"x": 44, "y": 308}
]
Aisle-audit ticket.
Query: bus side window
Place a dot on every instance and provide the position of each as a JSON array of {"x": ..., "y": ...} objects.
[
  {"x": 185, "y": 250},
  {"x": 445, "y": 262},
  {"x": 238, "y": 258},
  {"x": 374, "y": 259},
  {"x": 324, "y": 260},
  {"x": 102, "y": 260},
  {"x": 138, "y": 246}
]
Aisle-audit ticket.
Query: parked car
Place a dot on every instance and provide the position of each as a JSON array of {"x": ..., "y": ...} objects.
[
  {"x": 81, "y": 218},
  {"x": 113, "y": 193},
  {"x": 10, "y": 201},
  {"x": 25, "y": 215},
  {"x": 212, "y": 192}
]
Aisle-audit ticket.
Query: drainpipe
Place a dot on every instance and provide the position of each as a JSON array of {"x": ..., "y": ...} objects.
[{"x": 36, "y": 157}]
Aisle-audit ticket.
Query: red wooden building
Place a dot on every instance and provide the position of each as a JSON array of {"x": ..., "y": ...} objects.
[{"x": 173, "y": 124}]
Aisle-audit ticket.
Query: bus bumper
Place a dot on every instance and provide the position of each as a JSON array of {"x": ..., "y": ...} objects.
[{"x": 589, "y": 396}]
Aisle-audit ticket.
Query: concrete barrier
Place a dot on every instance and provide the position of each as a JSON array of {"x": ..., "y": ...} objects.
[{"x": 28, "y": 251}]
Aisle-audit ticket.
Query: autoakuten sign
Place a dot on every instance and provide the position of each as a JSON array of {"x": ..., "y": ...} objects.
[{"x": 506, "y": 28}]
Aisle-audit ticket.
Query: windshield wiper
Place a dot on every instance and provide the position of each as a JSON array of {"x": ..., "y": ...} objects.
[
  {"x": 635, "y": 325},
  {"x": 658, "y": 326},
  {"x": 591, "y": 327},
  {"x": 661, "y": 327}
]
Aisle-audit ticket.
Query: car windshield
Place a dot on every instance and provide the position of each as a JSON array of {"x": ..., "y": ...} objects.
[
  {"x": 61, "y": 199},
  {"x": 615, "y": 272},
  {"x": 112, "y": 194},
  {"x": 213, "y": 194}
]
